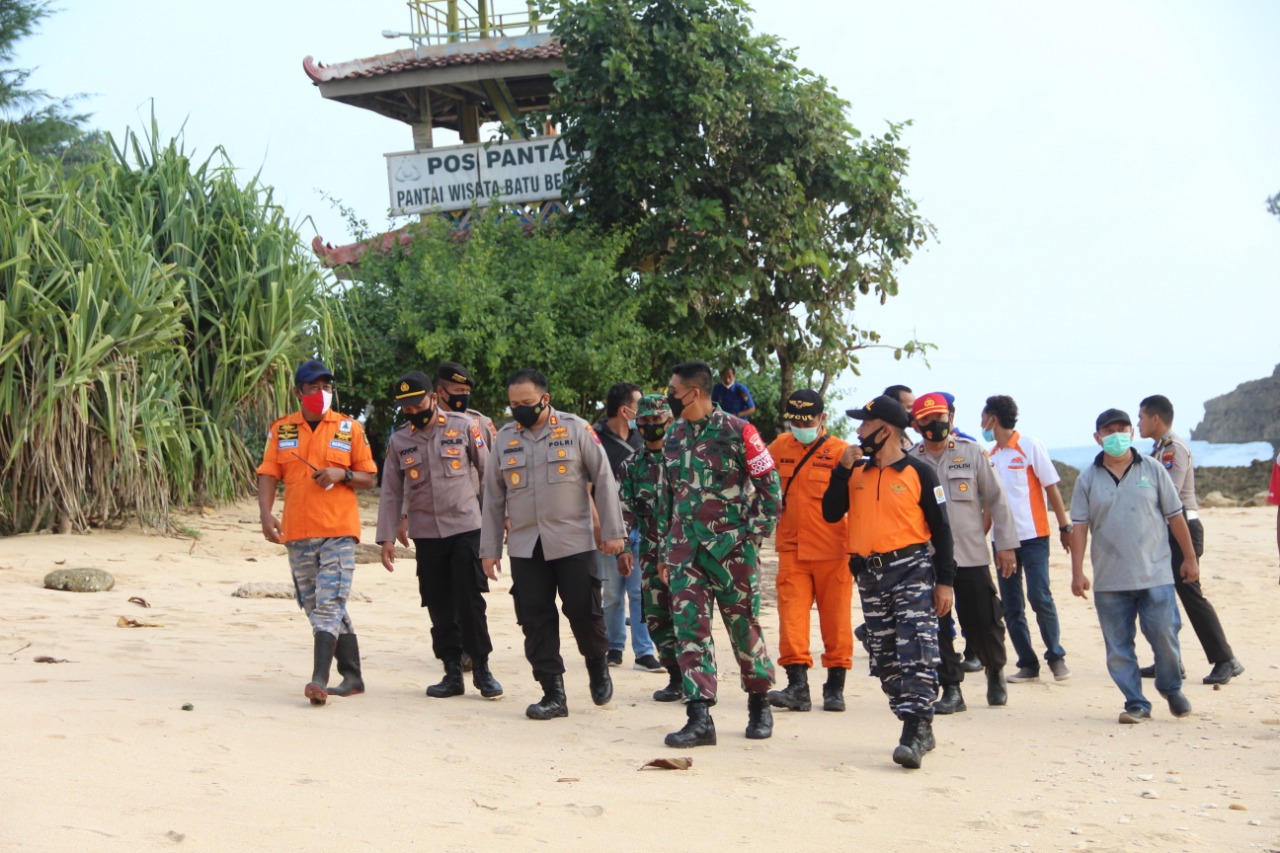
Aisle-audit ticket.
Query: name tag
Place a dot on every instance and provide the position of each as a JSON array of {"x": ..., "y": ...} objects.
[
  {"x": 340, "y": 445},
  {"x": 287, "y": 443}
]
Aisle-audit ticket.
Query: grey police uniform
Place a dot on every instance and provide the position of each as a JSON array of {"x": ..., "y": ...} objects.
[
  {"x": 1173, "y": 453},
  {"x": 539, "y": 479},
  {"x": 485, "y": 423}
]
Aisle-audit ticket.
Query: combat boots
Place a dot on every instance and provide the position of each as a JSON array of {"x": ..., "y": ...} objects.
[
  {"x": 553, "y": 703},
  {"x": 483, "y": 679},
  {"x": 601, "y": 683},
  {"x": 796, "y": 694},
  {"x": 833, "y": 690},
  {"x": 760, "y": 716},
  {"x": 451, "y": 684},
  {"x": 324, "y": 648},
  {"x": 952, "y": 701},
  {"x": 347, "y": 656},
  {"x": 916, "y": 740},
  {"x": 997, "y": 691},
  {"x": 700, "y": 730},
  {"x": 674, "y": 691}
]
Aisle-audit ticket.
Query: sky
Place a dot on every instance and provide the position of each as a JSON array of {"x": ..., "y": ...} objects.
[{"x": 1096, "y": 171}]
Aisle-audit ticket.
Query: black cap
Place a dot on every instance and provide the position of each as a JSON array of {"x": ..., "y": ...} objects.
[
  {"x": 1112, "y": 416},
  {"x": 803, "y": 405},
  {"x": 885, "y": 409},
  {"x": 451, "y": 371},
  {"x": 410, "y": 389},
  {"x": 310, "y": 371}
]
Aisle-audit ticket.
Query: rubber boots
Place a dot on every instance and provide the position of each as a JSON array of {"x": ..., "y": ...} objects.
[
  {"x": 451, "y": 684},
  {"x": 952, "y": 701},
  {"x": 348, "y": 658},
  {"x": 833, "y": 690},
  {"x": 483, "y": 679},
  {"x": 916, "y": 740},
  {"x": 796, "y": 694},
  {"x": 553, "y": 703},
  {"x": 601, "y": 683},
  {"x": 997, "y": 690},
  {"x": 700, "y": 730},
  {"x": 760, "y": 716},
  {"x": 674, "y": 691},
  {"x": 324, "y": 648}
]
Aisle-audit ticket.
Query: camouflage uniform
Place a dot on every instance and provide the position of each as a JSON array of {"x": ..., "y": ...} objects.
[
  {"x": 322, "y": 571},
  {"x": 721, "y": 498}
]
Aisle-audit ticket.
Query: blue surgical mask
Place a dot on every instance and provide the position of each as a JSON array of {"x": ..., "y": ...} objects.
[
  {"x": 1117, "y": 444},
  {"x": 988, "y": 435},
  {"x": 631, "y": 424},
  {"x": 805, "y": 435}
]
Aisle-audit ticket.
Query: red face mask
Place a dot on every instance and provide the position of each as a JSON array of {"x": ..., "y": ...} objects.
[{"x": 317, "y": 403}]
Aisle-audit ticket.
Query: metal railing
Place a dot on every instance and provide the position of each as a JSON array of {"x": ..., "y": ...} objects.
[{"x": 442, "y": 21}]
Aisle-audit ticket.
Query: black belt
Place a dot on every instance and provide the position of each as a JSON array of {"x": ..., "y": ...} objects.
[{"x": 877, "y": 561}]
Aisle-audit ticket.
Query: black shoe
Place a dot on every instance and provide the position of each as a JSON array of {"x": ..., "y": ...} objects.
[
  {"x": 796, "y": 694},
  {"x": 451, "y": 684},
  {"x": 1150, "y": 672},
  {"x": 347, "y": 656},
  {"x": 833, "y": 690},
  {"x": 952, "y": 701},
  {"x": 601, "y": 683},
  {"x": 914, "y": 742},
  {"x": 1224, "y": 672},
  {"x": 316, "y": 689},
  {"x": 674, "y": 691},
  {"x": 615, "y": 657},
  {"x": 483, "y": 679},
  {"x": 648, "y": 663},
  {"x": 1179, "y": 704},
  {"x": 759, "y": 717},
  {"x": 700, "y": 730},
  {"x": 997, "y": 690},
  {"x": 971, "y": 663},
  {"x": 553, "y": 703}
]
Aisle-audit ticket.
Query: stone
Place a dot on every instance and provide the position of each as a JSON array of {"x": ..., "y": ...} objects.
[
  {"x": 369, "y": 552},
  {"x": 1249, "y": 413},
  {"x": 1217, "y": 500},
  {"x": 79, "y": 580},
  {"x": 260, "y": 589}
]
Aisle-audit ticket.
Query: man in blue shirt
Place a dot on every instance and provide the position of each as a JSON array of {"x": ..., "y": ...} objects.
[{"x": 732, "y": 396}]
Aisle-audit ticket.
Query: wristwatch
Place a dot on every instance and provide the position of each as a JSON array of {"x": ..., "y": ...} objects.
[
  {"x": 1066, "y": 528},
  {"x": 346, "y": 478}
]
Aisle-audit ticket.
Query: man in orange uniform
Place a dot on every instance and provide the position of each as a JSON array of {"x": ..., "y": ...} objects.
[
  {"x": 813, "y": 560},
  {"x": 323, "y": 458}
]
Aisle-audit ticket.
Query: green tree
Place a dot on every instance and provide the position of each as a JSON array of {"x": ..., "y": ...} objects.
[{"x": 740, "y": 178}]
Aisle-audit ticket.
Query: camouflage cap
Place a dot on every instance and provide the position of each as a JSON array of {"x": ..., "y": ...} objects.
[{"x": 653, "y": 405}]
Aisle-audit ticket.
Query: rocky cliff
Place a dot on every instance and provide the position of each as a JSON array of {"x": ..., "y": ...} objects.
[{"x": 1249, "y": 413}]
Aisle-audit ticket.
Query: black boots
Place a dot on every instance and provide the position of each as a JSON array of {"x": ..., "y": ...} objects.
[
  {"x": 483, "y": 679},
  {"x": 833, "y": 690},
  {"x": 760, "y": 717},
  {"x": 796, "y": 694},
  {"x": 348, "y": 658},
  {"x": 553, "y": 702},
  {"x": 674, "y": 691},
  {"x": 997, "y": 690},
  {"x": 324, "y": 648},
  {"x": 952, "y": 701},
  {"x": 700, "y": 730},
  {"x": 601, "y": 684},
  {"x": 451, "y": 684},
  {"x": 916, "y": 740}
]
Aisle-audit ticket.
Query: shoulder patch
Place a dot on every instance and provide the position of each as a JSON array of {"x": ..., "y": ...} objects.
[
  {"x": 759, "y": 462},
  {"x": 939, "y": 494}
]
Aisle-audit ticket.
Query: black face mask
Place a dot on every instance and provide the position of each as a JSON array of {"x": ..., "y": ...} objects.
[
  {"x": 936, "y": 431},
  {"x": 870, "y": 446},
  {"x": 459, "y": 402},
  {"x": 527, "y": 416},
  {"x": 419, "y": 419},
  {"x": 652, "y": 432},
  {"x": 677, "y": 407}
]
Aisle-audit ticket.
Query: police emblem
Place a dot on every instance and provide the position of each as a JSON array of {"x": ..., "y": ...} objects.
[
  {"x": 409, "y": 460},
  {"x": 413, "y": 474},
  {"x": 515, "y": 478},
  {"x": 560, "y": 454},
  {"x": 560, "y": 469},
  {"x": 451, "y": 433},
  {"x": 455, "y": 464}
]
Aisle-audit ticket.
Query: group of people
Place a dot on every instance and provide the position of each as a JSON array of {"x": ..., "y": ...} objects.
[{"x": 655, "y": 516}]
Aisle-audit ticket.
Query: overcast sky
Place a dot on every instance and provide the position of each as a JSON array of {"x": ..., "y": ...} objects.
[{"x": 1096, "y": 170}]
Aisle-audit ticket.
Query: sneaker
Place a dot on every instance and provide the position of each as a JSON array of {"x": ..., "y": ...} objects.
[
  {"x": 1059, "y": 669},
  {"x": 648, "y": 663},
  {"x": 615, "y": 657},
  {"x": 1135, "y": 715},
  {"x": 1024, "y": 673},
  {"x": 1179, "y": 704}
]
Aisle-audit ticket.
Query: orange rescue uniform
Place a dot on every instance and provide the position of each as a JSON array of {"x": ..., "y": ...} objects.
[
  {"x": 813, "y": 561},
  {"x": 311, "y": 511}
]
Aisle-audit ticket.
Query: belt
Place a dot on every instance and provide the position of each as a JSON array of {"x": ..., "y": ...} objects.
[
  {"x": 877, "y": 561},
  {"x": 1192, "y": 515}
]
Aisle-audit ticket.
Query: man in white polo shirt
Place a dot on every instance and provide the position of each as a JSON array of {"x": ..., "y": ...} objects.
[{"x": 1028, "y": 476}]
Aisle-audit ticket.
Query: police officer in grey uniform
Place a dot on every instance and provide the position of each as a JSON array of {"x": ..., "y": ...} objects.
[
  {"x": 539, "y": 479},
  {"x": 1155, "y": 421},
  {"x": 453, "y": 390},
  {"x": 972, "y": 487},
  {"x": 431, "y": 481}
]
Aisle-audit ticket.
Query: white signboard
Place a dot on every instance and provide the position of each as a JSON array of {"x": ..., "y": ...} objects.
[{"x": 451, "y": 178}]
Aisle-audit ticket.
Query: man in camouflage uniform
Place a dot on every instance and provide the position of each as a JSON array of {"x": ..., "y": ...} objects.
[
  {"x": 641, "y": 483},
  {"x": 722, "y": 499}
]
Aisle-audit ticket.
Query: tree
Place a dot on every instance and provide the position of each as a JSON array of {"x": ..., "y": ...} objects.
[
  {"x": 739, "y": 177},
  {"x": 1273, "y": 205}
]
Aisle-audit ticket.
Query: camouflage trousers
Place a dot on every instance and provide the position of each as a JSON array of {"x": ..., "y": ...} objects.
[
  {"x": 732, "y": 583},
  {"x": 322, "y": 570},
  {"x": 656, "y": 600},
  {"x": 902, "y": 630}
]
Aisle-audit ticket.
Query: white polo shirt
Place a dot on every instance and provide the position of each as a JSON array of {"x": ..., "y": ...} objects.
[{"x": 1026, "y": 471}]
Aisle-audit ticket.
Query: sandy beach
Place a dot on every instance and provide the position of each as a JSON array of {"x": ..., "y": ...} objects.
[{"x": 100, "y": 755}]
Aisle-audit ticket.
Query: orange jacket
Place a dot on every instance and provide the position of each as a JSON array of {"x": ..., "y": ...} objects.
[{"x": 802, "y": 527}]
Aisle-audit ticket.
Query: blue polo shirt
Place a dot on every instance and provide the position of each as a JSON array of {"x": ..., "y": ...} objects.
[{"x": 734, "y": 399}]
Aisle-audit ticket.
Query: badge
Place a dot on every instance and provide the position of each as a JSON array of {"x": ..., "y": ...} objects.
[
  {"x": 476, "y": 437},
  {"x": 409, "y": 460},
  {"x": 344, "y": 426},
  {"x": 964, "y": 487},
  {"x": 340, "y": 445},
  {"x": 288, "y": 431},
  {"x": 453, "y": 451},
  {"x": 285, "y": 444},
  {"x": 938, "y": 494},
  {"x": 515, "y": 478},
  {"x": 899, "y": 488},
  {"x": 511, "y": 460},
  {"x": 451, "y": 433},
  {"x": 515, "y": 442},
  {"x": 957, "y": 458},
  {"x": 413, "y": 474},
  {"x": 759, "y": 462},
  {"x": 455, "y": 464},
  {"x": 560, "y": 454},
  {"x": 561, "y": 469}
]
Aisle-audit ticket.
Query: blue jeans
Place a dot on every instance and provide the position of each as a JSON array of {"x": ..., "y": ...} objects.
[
  {"x": 622, "y": 601},
  {"x": 1154, "y": 610},
  {"x": 1033, "y": 563}
]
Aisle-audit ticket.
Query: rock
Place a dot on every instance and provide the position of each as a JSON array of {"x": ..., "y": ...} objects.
[
  {"x": 260, "y": 589},
  {"x": 1241, "y": 483},
  {"x": 1217, "y": 500},
  {"x": 1260, "y": 499},
  {"x": 1151, "y": 795},
  {"x": 1067, "y": 480},
  {"x": 79, "y": 580},
  {"x": 369, "y": 552},
  {"x": 1249, "y": 413}
]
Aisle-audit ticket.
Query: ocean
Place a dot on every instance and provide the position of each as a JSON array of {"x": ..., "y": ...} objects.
[{"x": 1203, "y": 453}]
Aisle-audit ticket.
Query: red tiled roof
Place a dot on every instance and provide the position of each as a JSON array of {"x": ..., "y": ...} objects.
[{"x": 437, "y": 56}]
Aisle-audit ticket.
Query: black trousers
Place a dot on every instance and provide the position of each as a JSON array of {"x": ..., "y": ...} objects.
[
  {"x": 982, "y": 619},
  {"x": 535, "y": 581},
  {"x": 452, "y": 586},
  {"x": 1200, "y": 613}
]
